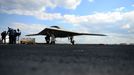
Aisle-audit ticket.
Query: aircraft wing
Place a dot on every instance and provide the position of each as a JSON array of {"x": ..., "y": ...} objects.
[
  {"x": 32, "y": 34},
  {"x": 92, "y": 34},
  {"x": 62, "y": 33}
]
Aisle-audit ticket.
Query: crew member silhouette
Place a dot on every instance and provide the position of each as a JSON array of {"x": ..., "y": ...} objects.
[
  {"x": 11, "y": 35},
  {"x": 47, "y": 38},
  {"x": 3, "y": 36},
  {"x": 14, "y": 36}
]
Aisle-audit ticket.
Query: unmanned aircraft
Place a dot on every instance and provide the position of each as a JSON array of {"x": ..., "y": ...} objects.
[{"x": 56, "y": 32}]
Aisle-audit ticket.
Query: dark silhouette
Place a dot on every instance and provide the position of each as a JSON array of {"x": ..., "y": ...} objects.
[
  {"x": 56, "y": 32},
  {"x": 13, "y": 34},
  {"x": 47, "y": 38},
  {"x": 55, "y": 27},
  {"x": 71, "y": 40},
  {"x": 3, "y": 36}
]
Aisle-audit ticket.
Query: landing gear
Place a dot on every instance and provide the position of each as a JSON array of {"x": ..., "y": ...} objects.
[{"x": 71, "y": 40}]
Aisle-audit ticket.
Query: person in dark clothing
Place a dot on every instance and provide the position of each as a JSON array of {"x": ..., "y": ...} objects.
[
  {"x": 47, "y": 38},
  {"x": 3, "y": 35},
  {"x": 11, "y": 35},
  {"x": 14, "y": 36}
]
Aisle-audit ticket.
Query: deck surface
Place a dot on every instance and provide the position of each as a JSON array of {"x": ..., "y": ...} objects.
[{"x": 66, "y": 59}]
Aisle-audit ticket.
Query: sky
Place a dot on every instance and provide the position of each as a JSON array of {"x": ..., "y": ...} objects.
[{"x": 115, "y": 18}]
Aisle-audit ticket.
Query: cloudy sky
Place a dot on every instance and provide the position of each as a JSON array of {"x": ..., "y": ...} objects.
[{"x": 114, "y": 18}]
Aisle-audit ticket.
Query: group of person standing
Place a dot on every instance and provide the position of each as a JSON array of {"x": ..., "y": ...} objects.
[{"x": 13, "y": 35}]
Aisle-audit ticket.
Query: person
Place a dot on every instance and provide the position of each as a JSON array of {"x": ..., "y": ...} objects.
[
  {"x": 3, "y": 35},
  {"x": 47, "y": 38},
  {"x": 14, "y": 36},
  {"x": 52, "y": 39},
  {"x": 18, "y": 34},
  {"x": 11, "y": 35}
]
